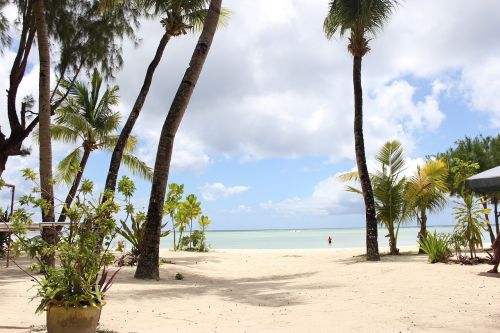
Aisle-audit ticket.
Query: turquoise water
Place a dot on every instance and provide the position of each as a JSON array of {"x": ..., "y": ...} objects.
[{"x": 306, "y": 239}]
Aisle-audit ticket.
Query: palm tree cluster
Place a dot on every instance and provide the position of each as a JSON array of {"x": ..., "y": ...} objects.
[{"x": 401, "y": 199}]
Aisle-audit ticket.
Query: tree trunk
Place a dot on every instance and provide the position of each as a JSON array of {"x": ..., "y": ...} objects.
[
  {"x": 487, "y": 218},
  {"x": 116, "y": 158},
  {"x": 495, "y": 206},
  {"x": 372, "y": 253},
  {"x": 191, "y": 233},
  {"x": 44, "y": 113},
  {"x": 393, "y": 250},
  {"x": 423, "y": 228},
  {"x": 74, "y": 186},
  {"x": 148, "y": 266}
]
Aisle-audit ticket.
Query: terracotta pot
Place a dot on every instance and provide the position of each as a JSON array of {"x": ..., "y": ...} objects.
[{"x": 72, "y": 320}]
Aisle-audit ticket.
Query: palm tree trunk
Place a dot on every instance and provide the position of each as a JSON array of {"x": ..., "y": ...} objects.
[
  {"x": 393, "y": 250},
  {"x": 173, "y": 227},
  {"x": 372, "y": 253},
  {"x": 423, "y": 228},
  {"x": 148, "y": 266},
  {"x": 47, "y": 191},
  {"x": 74, "y": 186},
  {"x": 116, "y": 158}
]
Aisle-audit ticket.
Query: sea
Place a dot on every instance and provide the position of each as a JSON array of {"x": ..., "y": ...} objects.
[{"x": 308, "y": 238}]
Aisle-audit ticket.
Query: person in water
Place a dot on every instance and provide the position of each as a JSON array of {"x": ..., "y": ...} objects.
[{"x": 330, "y": 240}]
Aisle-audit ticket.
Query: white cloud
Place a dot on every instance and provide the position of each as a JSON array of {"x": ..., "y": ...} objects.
[
  {"x": 241, "y": 209},
  {"x": 481, "y": 83},
  {"x": 329, "y": 196},
  {"x": 212, "y": 192}
]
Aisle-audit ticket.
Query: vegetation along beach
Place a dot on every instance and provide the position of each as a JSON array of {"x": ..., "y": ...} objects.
[{"x": 249, "y": 166}]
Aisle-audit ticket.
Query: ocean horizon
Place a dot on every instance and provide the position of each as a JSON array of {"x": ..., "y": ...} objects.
[{"x": 307, "y": 238}]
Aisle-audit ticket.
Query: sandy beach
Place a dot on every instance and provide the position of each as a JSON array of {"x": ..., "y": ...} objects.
[{"x": 284, "y": 291}]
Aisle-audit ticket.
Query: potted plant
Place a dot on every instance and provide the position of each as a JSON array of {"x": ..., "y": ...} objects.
[{"x": 72, "y": 291}]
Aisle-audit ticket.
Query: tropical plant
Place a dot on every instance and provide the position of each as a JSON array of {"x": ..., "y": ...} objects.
[
  {"x": 470, "y": 221},
  {"x": 426, "y": 192},
  {"x": 148, "y": 267},
  {"x": 389, "y": 190},
  {"x": 457, "y": 241},
  {"x": 181, "y": 222},
  {"x": 172, "y": 203},
  {"x": 362, "y": 19},
  {"x": 485, "y": 151},
  {"x": 81, "y": 38},
  {"x": 135, "y": 232},
  {"x": 80, "y": 278},
  {"x": 192, "y": 208},
  {"x": 87, "y": 118},
  {"x": 178, "y": 18},
  {"x": 436, "y": 247},
  {"x": 204, "y": 222}
]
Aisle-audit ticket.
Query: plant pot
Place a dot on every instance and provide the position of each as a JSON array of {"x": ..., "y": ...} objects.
[{"x": 61, "y": 319}]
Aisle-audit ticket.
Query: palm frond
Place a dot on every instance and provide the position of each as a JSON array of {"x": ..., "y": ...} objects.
[
  {"x": 64, "y": 133},
  {"x": 69, "y": 166},
  {"x": 138, "y": 167},
  {"x": 367, "y": 16}
]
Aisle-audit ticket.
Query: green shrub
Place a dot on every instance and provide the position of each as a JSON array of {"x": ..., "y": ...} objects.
[{"x": 436, "y": 247}]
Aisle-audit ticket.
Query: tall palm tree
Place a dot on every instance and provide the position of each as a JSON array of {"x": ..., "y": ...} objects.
[
  {"x": 362, "y": 19},
  {"x": 88, "y": 118},
  {"x": 389, "y": 190},
  {"x": 44, "y": 113},
  {"x": 148, "y": 267},
  {"x": 178, "y": 18},
  {"x": 426, "y": 191},
  {"x": 192, "y": 207}
]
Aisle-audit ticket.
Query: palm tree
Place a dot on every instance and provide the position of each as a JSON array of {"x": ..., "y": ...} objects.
[
  {"x": 388, "y": 189},
  {"x": 178, "y": 18},
  {"x": 174, "y": 197},
  {"x": 426, "y": 191},
  {"x": 44, "y": 113},
  {"x": 88, "y": 118},
  {"x": 148, "y": 267},
  {"x": 192, "y": 207},
  {"x": 470, "y": 217},
  {"x": 363, "y": 19}
]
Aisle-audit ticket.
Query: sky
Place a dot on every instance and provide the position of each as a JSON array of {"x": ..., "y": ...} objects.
[{"x": 270, "y": 124}]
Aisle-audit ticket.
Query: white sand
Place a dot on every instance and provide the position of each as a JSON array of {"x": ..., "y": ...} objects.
[{"x": 285, "y": 291}]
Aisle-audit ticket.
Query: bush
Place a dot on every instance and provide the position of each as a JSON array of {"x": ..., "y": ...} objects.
[{"x": 436, "y": 247}]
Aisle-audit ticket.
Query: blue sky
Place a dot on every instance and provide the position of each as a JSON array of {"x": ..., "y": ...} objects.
[{"x": 270, "y": 123}]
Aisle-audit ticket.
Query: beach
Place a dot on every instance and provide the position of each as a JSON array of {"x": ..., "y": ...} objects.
[{"x": 299, "y": 290}]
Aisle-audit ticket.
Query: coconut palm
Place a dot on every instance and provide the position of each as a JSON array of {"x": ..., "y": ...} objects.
[
  {"x": 470, "y": 218},
  {"x": 148, "y": 267},
  {"x": 426, "y": 192},
  {"x": 178, "y": 18},
  {"x": 88, "y": 118},
  {"x": 389, "y": 190},
  {"x": 362, "y": 19}
]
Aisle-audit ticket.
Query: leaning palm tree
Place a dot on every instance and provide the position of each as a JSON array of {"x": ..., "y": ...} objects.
[
  {"x": 178, "y": 18},
  {"x": 88, "y": 118},
  {"x": 426, "y": 192},
  {"x": 362, "y": 19},
  {"x": 389, "y": 190},
  {"x": 148, "y": 267}
]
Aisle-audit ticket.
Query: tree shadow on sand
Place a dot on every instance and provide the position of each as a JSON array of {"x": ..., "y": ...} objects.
[{"x": 269, "y": 291}]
